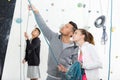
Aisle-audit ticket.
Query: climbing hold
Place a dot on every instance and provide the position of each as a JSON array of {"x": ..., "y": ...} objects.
[
  {"x": 79, "y": 5},
  {"x": 52, "y": 4},
  {"x": 111, "y": 72},
  {"x": 113, "y": 29},
  {"x": 19, "y": 45},
  {"x": 46, "y": 20},
  {"x": 46, "y": 9},
  {"x": 89, "y": 11},
  {"x": 84, "y": 5},
  {"x": 62, "y": 10},
  {"x": 116, "y": 57},
  {"x": 18, "y": 20},
  {"x": 97, "y": 11}
]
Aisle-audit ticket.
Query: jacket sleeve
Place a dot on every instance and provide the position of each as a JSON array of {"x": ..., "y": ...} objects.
[
  {"x": 31, "y": 46},
  {"x": 26, "y": 55},
  {"x": 92, "y": 60},
  {"x": 26, "y": 50},
  {"x": 47, "y": 32}
]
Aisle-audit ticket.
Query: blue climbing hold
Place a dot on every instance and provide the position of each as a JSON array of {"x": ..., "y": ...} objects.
[{"x": 18, "y": 20}]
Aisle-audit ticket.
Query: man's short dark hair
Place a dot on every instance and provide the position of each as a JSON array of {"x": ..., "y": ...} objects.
[
  {"x": 38, "y": 30},
  {"x": 74, "y": 25}
]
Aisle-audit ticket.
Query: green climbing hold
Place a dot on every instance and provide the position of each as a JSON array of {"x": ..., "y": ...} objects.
[{"x": 79, "y": 5}]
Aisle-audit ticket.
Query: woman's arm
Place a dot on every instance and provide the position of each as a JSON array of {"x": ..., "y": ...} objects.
[{"x": 92, "y": 60}]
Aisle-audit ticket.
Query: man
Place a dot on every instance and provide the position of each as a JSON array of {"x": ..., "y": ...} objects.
[
  {"x": 64, "y": 49},
  {"x": 32, "y": 56}
]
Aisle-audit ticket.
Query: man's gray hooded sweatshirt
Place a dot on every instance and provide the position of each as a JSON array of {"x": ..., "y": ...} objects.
[{"x": 64, "y": 56}]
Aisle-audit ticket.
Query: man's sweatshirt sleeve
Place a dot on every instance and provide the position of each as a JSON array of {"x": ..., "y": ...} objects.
[{"x": 47, "y": 32}]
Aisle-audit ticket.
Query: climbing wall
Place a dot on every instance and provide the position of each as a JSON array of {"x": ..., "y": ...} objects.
[
  {"x": 56, "y": 13},
  {"x": 6, "y": 16}
]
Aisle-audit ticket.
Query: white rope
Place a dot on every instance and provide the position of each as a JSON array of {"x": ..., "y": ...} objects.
[{"x": 24, "y": 75}]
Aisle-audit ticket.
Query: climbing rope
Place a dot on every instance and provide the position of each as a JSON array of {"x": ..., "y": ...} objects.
[
  {"x": 25, "y": 42},
  {"x": 111, "y": 11}
]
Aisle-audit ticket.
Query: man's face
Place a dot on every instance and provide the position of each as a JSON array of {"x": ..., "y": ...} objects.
[
  {"x": 67, "y": 30},
  {"x": 35, "y": 33}
]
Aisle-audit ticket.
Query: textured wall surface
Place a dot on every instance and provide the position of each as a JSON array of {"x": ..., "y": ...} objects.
[{"x": 6, "y": 15}]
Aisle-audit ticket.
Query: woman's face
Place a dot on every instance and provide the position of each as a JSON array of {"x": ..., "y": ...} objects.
[{"x": 78, "y": 36}]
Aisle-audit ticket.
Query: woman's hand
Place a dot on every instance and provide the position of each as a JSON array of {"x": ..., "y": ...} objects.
[{"x": 62, "y": 68}]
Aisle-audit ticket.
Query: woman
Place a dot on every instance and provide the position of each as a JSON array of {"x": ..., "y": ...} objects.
[{"x": 87, "y": 55}]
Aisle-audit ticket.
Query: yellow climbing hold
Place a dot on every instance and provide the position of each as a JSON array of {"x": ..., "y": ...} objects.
[{"x": 113, "y": 29}]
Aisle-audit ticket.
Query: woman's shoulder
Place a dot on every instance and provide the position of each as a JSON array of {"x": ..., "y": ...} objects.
[{"x": 88, "y": 45}]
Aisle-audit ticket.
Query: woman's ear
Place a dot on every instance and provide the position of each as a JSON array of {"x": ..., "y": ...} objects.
[{"x": 83, "y": 36}]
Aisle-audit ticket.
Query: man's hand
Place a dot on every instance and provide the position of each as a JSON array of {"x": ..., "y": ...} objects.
[
  {"x": 26, "y": 35},
  {"x": 31, "y": 7},
  {"x": 23, "y": 61},
  {"x": 62, "y": 68}
]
